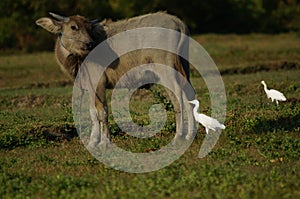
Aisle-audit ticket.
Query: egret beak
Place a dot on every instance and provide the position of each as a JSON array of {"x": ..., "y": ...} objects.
[{"x": 195, "y": 102}]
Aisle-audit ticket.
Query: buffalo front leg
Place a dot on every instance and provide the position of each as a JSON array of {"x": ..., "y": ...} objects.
[
  {"x": 102, "y": 116},
  {"x": 101, "y": 106},
  {"x": 99, "y": 117},
  {"x": 95, "y": 134}
]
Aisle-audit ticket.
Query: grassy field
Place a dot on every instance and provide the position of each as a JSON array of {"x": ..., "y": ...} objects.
[{"x": 257, "y": 156}]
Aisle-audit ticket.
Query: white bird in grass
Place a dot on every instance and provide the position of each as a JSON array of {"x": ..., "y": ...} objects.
[
  {"x": 273, "y": 94},
  {"x": 208, "y": 122}
]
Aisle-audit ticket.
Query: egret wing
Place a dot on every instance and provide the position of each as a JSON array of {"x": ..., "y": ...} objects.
[
  {"x": 210, "y": 122},
  {"x": 277, "y": 95}
]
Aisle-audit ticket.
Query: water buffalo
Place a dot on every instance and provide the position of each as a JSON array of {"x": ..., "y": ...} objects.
[{"x": 77, "y": 36}]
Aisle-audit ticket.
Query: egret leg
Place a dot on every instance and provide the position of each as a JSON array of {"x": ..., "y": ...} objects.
[{"x": 207, "y": 130}]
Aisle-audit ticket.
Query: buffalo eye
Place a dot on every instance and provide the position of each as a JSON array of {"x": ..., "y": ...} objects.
[{"x": 74, "y": 27}]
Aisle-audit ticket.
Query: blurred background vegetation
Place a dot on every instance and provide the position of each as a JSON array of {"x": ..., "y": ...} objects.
[{"x": 18, "y": 31}]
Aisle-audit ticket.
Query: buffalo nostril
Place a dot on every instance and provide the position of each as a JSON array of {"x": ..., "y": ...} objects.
[{"x": 91, "y": 45}]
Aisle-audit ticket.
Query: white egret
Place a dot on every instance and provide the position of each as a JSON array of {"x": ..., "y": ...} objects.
[
  {"x": 208, "y": 122},
  {"x": 273, "y": 94}
]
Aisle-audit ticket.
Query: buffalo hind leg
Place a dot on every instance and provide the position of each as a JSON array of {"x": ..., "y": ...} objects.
[
  {"x": 192, "y": 130},
  {"x": 177, "y": 101}
]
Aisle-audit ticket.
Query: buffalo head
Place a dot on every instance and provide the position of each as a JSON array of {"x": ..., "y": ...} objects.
[{"x": 75, "y": 33}]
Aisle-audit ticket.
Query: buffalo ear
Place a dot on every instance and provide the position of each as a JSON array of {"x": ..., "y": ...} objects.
[{"x": 51, "y": 25}]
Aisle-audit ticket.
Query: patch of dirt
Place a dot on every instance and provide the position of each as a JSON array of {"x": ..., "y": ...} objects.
[
  {"x": 28, "y": 101},
  {"x": 62, "y": 83},
  {"x": 293, "y": 100},
  {"x": 32, "y": 101}
]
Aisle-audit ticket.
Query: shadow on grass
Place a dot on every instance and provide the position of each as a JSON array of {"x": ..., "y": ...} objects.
[
  {"x": 38, "y": 135},
  {"x": 268, "y": 66},
  {"x": 57, "y": 133},
  {"x": 287, "y": 123}
]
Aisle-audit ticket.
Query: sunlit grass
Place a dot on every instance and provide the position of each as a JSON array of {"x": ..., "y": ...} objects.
[{"x": 230, "y": 51}]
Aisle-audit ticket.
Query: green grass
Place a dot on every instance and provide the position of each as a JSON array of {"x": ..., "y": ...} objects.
[{"x": 257, "y": 156}]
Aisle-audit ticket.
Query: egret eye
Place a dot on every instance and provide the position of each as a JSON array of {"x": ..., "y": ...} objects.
[{"x": 74, "y": 27}]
